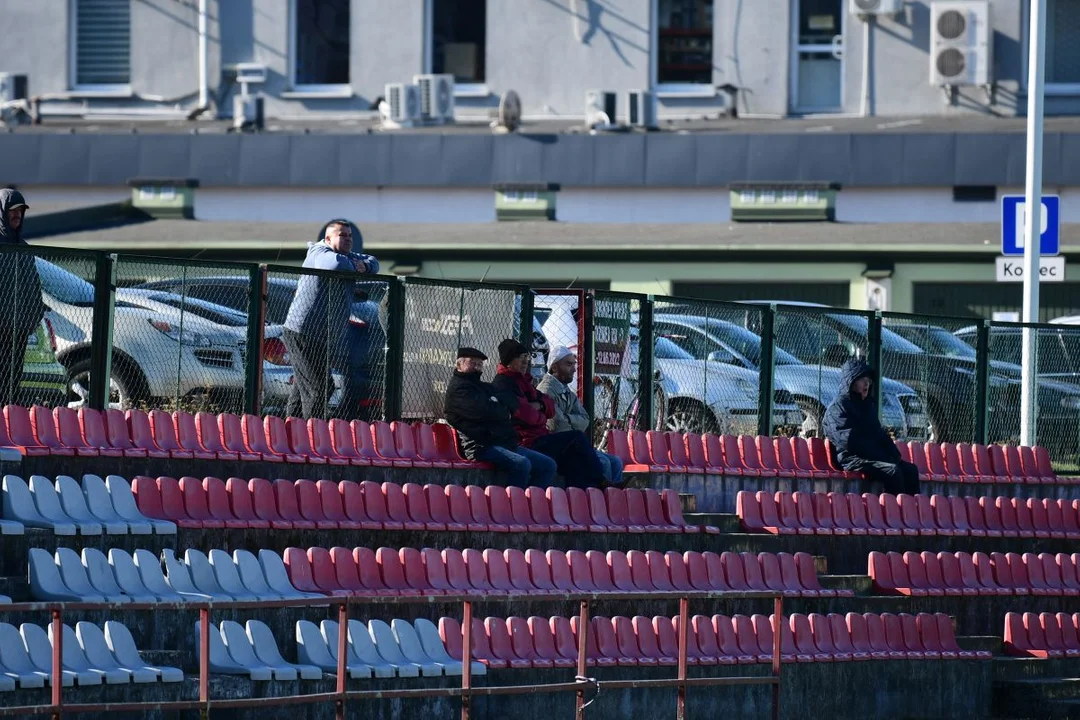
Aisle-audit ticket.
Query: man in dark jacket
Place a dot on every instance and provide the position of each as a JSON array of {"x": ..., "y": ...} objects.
[
  {"x": 21, "y": 306},
  {"x": 571, "y": 449},
  {"x": 481, "y": 416},
  {"x": 859, "y": 442}
]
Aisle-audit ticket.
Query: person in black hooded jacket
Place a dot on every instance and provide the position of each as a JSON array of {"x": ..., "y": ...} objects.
[
  {"x": 21, "y": 306},
  {"x": 859, "y": 442}
]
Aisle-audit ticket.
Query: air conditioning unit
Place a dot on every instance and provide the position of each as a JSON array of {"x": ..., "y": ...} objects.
[
  {"x": 600, "y": 109},
  {"x": 12, "y": 87},
  {"x": 436, "y": 97},
  {"x": 404, "y": 105},
  {"x": 875, "y": 7},
  {"x": 641, "y": 109},
  {"x": 961, "y": 43}
]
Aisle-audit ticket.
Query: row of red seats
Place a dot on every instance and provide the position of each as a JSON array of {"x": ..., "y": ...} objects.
[
  {"x": 326, "y": 505},
  {"x": 833, "y": 513},
  {"x": 361, "y": 571},
  {"x": 974, "y": 463},
  {"x": 922, "y": 574},
  {"x": 1046, "y": 635},
  {"x": 740, "y": 639}
]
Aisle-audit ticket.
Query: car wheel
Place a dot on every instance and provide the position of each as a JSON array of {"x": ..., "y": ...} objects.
[
  {"x": 686, "y": 416},
  {"x": 121, "y": 389}
]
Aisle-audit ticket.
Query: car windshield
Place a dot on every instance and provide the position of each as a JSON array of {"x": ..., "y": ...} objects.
[
  {"x": 667, "y": 350},
  {"x": 939, "y": 341},
  {"x": 747, "y": 343},
  {"x": 64, "y": 286},
  {"x": 214, "y": 313},
  {"x": 1057, "y": 352},
  {"x": 890, "y": 341}
]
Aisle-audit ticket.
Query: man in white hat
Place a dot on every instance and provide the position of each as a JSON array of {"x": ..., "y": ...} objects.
[{"x": 570, "y": 414}]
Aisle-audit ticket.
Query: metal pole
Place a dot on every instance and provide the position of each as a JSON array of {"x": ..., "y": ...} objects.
[
  {"x": 101, "y": 333},
  {"x": 586, "y": 359},
  {"x": 204, "y": 75},
  {"x": 1033, "y": 215},
  {"x": 466, "y": 659},
  {"x": 253, "y": 367},
  {"x": 766, "y": 371},
  {"x": 57, "y": 666},
  {"x": 582, "y": 650},
  {"x": 342, "y": 652},
  {"x": 684, "y": 618},
  {"x": 867, "y": 39},
  {"x": 646, "y": 368},
  {"x": 778, "y": 617},
  {"x": 982, "y": 383},
  {"x": 204, "y": 662}
]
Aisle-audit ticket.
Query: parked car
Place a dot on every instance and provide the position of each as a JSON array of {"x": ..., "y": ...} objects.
[
  {"x": 812, "y": 386},
  {"x": 44, "y": 380}
]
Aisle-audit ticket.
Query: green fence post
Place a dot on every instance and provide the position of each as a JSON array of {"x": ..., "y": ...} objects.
[
  {"x": 586, "y": 360},
  {"x": 646, "y": 342},
  {"x": 395, "y": 349},
  {"x": 767, "y": 371},
  {"x": 982, "y": 382},
  {"x": 102, "y": 331},
  {"x": 253, "y": 375},
  {"x": 873, "y": 351},
  {"x": 527, "y": 299}
]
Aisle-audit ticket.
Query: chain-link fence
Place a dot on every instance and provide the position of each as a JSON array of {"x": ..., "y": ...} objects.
[
  {"x": 441, "y": 316},
  {"x": 619, "y": 399},
  {"x": 324, "y": 344},
  {"x": 559, "y": 317}
]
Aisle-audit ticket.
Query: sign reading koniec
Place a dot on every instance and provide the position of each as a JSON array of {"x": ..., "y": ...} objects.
[{"x": 1051, "y": 269}]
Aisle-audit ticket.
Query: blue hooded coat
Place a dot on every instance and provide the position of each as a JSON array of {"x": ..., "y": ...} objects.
[{"x": 851, "y": 423}]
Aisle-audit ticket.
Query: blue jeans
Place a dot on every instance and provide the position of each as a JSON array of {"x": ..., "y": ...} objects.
[
  {"x": 524, "y": 466},
  {"x": 612, "y": 467}
]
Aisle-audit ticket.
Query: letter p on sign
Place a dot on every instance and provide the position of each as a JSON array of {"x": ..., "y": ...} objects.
[{"x": 1021, "y": 222}]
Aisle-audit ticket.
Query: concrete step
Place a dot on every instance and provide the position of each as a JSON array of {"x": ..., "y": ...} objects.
[
  {"x": 1007, "y": 669},
  {"x": 993, "y": 643},
  {"x": 859, "y": 583},
  {"x": 17, "y": 588},
  {"x": 726, "y": 522},
  {"x": 1049, "y": 697}
]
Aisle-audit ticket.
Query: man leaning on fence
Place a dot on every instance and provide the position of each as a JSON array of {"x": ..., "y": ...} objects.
[
  {"x": 315, "y": 331},
  {"x": 21, "y": 306},
  {"x": 858, "y": 440},
  {"x": 481, "y": 416},
  {"x": 570, "y": 414}
]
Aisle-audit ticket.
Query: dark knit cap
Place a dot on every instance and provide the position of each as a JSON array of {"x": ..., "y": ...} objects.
[{"x": 510, "y": 349}]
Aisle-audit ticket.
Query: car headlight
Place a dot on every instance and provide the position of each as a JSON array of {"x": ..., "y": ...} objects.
[{"x": 186, "y": 337}]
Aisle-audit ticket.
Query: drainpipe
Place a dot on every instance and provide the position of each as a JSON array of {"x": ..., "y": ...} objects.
[
  {"x": 867, "y": 39},
  {"x": 204, "y": 74}
]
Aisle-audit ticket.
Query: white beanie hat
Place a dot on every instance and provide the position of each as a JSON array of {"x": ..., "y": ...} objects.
[{"x": 558, "y": 353}]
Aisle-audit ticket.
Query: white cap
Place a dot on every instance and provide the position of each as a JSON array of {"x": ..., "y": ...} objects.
[{"x": 558, "y": 353}]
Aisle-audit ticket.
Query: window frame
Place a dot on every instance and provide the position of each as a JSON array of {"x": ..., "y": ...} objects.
[
  {"x": 312, "y": 89},
  {"x": 675, "y": 90},
  {"x": 1050, "y": 89},
  {"x": 461, "y": 90},
  {"x": 91, "y": 89}
]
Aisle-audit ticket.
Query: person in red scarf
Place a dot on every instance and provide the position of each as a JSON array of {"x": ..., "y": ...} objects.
[{"x": 571, "y": 450}]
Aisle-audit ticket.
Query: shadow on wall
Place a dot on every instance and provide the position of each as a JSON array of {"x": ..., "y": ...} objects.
[{"x": 590, "y": 14}]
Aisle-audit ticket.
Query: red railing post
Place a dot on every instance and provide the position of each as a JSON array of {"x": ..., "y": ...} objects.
[
  {"x": 466, "y": 659},
  {"x": 684, "y": 618},
  {"x": 582, "y": 651},
  {"x": 342, "y": 653},
  {"x": 57, "y": 662},
  {"x": 778, "y": 615},
  {"x": 204, "y": 661}
]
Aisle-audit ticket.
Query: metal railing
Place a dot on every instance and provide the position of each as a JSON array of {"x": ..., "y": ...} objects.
[
  {"x": 128, "y": 331},
  {"x": 342, "y": 695}
]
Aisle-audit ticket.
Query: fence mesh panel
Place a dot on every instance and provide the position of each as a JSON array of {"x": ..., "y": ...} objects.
[
  {"x": 558, "y": 316},
  {"x": 440, "y": 318},
  {"x": 616, "y": 367},
  {"x": 333, "y": 355},
  {"x": 46, "y": 326},
  {"x": 180, "y": 333}
]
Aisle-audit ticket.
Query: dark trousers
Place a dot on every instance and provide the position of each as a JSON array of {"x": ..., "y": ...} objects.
[
  {"x": 12, "y": 353},
  {"x": 312, "y": 381},
  {"x": 574, "y": 456},
  {"x": 898, "y": 477}
]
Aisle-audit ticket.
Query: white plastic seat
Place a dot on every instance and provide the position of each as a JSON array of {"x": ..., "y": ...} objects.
[
  {"x": 388, "y": 648},
  {"x": 35, "y": 642},
  {"x": 76, "y": 577},
  {"x": 202, "y": 575},
  {"x": 127, "y": 577},
  {"x": 312, "y": 644},
  {"x": 97, "y": 652},
  {"x": 122, "y": 645},
  {"x": 4, "y": 599},
  {"x": 265, "y": 646},
  {"x": 360, "y": 645},
  {"x": 149, "y": 567},
  {"x": 72, "y": 656},
  {"x": 46, "y": 582},
  {"x": 7, "y": 683},
  {"x": 123, "y": 502},
  {"x": 48, "y": 504},
  {"x": 19, "y": 505},
  {"x": 251, "y": 576},
  {"x": 73, "y": 502},
  {"x": 228, "y": 578},
  {"x": 433, "y": 645},
  {"x": 101, "y": 575},
  {"x": 411, "y": 648},
  {"x": 15, "y": 662},
  {"x": 11, "y": 527},
  {"x": 239, "y": 646},
  {"x": 222, "y": 662},
  {"x": 278, "y": 578},
  {"x": 179, "y": 578}
]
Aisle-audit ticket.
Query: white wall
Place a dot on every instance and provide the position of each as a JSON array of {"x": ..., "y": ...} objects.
[{"x": 386, "y": 205}]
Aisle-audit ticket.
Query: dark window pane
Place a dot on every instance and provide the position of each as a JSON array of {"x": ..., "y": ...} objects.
[
  {"x": 1062, "y": 48},
  {"x": 686, "y": 41},
  {"x": 819, "y": 21},
  {"x": 322, "y": 42},
  {"x": 459, "y": 30}
]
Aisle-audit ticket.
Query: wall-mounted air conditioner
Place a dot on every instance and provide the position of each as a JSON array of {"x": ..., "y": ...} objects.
[
  {"x": 641, "y": 109},
  {"x": 436, "y": 97},
  {"x": 875, "y": 7},
  {"x": 961, "y": 43},
  {"x": 404, "y": 105},
  {"x": 600, "y": 108}
]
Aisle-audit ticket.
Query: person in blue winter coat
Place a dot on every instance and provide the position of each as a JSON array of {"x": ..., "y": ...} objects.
[
  {"x": 858, "y": 441},
  {"x": 315, "y": 331}
]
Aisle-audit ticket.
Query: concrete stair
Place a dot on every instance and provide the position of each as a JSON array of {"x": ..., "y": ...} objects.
[{"x": 1039, "y": 697}]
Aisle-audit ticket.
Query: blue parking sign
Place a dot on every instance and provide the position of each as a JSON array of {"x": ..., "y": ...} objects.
[{"x": 1012, "y": 225}]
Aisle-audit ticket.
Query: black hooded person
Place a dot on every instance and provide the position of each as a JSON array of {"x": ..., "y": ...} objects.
[
  {"x": 859, "y": 443},
  {"x": 21, "y": 306}
]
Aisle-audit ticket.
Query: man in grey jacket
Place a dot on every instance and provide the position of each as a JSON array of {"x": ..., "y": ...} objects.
[{"x": 569, "y": 412}]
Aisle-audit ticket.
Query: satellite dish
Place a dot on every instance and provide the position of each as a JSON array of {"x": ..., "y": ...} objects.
[{"x": 509, "y": 111}]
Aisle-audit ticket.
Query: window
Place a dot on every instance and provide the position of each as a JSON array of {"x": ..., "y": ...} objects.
[
  {"x": 684, "y": 42},
  {"x": 459, "y": 39},
  {"x": 101, "y": 57},
  {"x": 1062, "y": 49},
  {"x": 320, "y": 44}
]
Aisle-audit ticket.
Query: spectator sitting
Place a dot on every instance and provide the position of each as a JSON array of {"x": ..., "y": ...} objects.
[
  {"x": 570, "y": 414},
  {"x": 570, "y": 449},
  {"x": 481, "y": 416},
  {"x": 859, "y": 442}
]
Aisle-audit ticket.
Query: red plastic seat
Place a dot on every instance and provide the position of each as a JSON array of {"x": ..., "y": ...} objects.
[
  {"x": 544, "y": 643},
  {"x": 666, "y": 506},
  {"x": 148, "y": 499},
  {"x": 254, "y": 433},
  {"x": 563, "y": 630},
  {"x": 890, "y": 510},
  {"x": 559, "y": 502},
  {"x": 1010, "y": 522},
  {"x": 919, "y": 460},
  {"x": 926, "y": 625},
  {"x": 194, "y": 498},
  {"x": 581, "y": 511},
  {"x": 436, "y": 573},
  {"x": 416, "y": 503},
  {"x": 844, "y": 523},
  {"x": 879, "y": 643},
  {"x": 841, "y": 636},
  {"x": 935, "y": 461},
  {"x": 460, "y": 508},
  {"x": 477, "y": 571},
  {"x": 369, "y": 573},
  {"x": 808, "y": 576},
  {"x": 648, "y": 644},
  {"x": 860, "y": 519},
  {"x": 539, "y": 570},
  {"x": 310, "y": 505},
  {"x": 264, "y": 504},
  {"x": 602, "y": 630},
  {"x": 704, "y": 634},
  {"x": 598, "y": 508},
  {"x": 917, "y": 574},
  {"x": 753, "y": 571},
  {"x": 438, "y": 505},
  {"x": 860, "y": 637},
  {"x": 332, "y": 504},
  {"x": 502, "y": 513},
  {"x": 640, "y": 573},
  {"x": 33, "y": 431},
  {"x": 296, "y": 430},
  {"x": 1052, "y": 574},
  {"x": 207, "y": 434},
  {"x": 789, "y": 516},
  {"x": 694, "y": 445},
  {"x": 804, "y": 462},
  {"x": 540, "y": 509},
  {"x": 879, "y": 568},
  {"x": 404, "y": 435},
  {"x": 300, "y": 571},
  {"x": 661, "y": 451},
  {"x": 913, "y": 639},
  {"x": 287, "y": 505},
  {"x": 412, "y": 564},
  {"x": 822, "y": 459},
  {"x": 734, "y": 463},
  {"x": 447, "y": 444},
  {"x": 947, "y": 638},
  {"x": 117, "y": 434},
  {"x": 480, "y": 508},
  {"x": 784, "y": 451},
  {"x": 773, "y": 576},
  {"x": 894, "y": 636},
  {"x": 821, "y": 629},
  {"x": 277, "y": 439},
  {"x": 517, "y": 569},
  {"x": 826, "y": 514},
  {"x": 750, "y": 509},
  {"x": 954, "y": 577},
  {"x": 498, "y": 571},
  {"x": 630, "y": 652},
  {"x": 666, "y": 633},
  {"x": 1043, "y": 465},
  {"x": 646, "y": 509},
  {"x": 875, "y": 516},
  {"x": 807, "y": 513},
  {"x": 562, "y": 576},
  {"x": 942, "y": 511},
  {"x": 393, "y": 573},
  {"x": 375, "y": 505},
  {"x": 1025, "y": 520},
  {"x": 321, "y": 444},
  {"x": 618, "y": 568},
  {"x": 619, "y": 445},
  {"x": 352, "y": 505},
  {"x": 751, "y": 458},
  {"x": 217, "y": 502},
  {"x": 969, "y": 466},
  {"x": 323, "y": 573},
  {"x": 140, "y": 431},
  {"x": 1004, "y": 576},
  {"x": 343, "y": 443},
  {"x": 714, "y": 455},
  {"x": 618, "y": 510},
  {"x": 596, "y": 567},
  {"x": 345, "y": 571},
  {"x": 397, "y": 507},
  {"x": 427, "y": 449},
  {"x": 1055, "y": 518},
  {"x": 186, "y": 433},
  {"x": 230, "y": 433},
  {"x": 697, "y": 572},
  {"x": 386, "y": 446},
  {"x": 1037, "y": 635},
  {"x": 951, "y": 456},
  {"x": 982, "y": 513},
  {"x": 581, "y": 573},
  {"x": 70, "y": 434},
  {"x": 1028, "y": 566},
  {"x": 984, "y": 572},
  {"x": 766, "y": 453},
  {"x": 997, "y": 466},
  {"x": 909, "y": 515},
  {"x": 516, "y": 629},
  {"x": 761, "y": 630},
  {"x": 241, "y": 504},
  {"x": 804, "y": 638}
]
